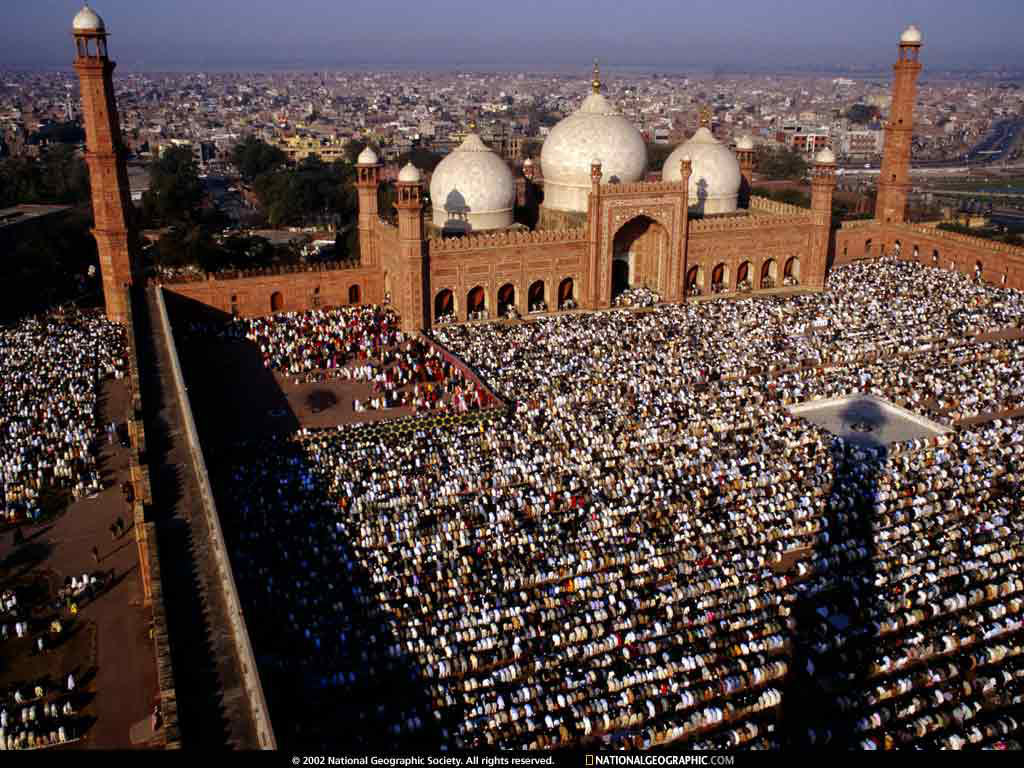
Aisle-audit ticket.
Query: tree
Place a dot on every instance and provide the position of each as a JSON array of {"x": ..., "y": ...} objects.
[
  {"x": 862, "y": 114},
  {"x": 254, "y": 157},
  {"x": 657, "y": 154},
  {"x": 58, "y": 133},
  {"x": 47, "y": 263},
  {"x": 175, "y": 190},
  {"x": 788, "y": 196},
  {"x": 423, "y": 159},
  {"x": 782, "y": 163},
  {"x": 58, "y": 176},
  {"x": 308, "y": 193}
]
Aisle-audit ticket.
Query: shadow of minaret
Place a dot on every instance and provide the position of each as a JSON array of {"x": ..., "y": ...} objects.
[{"x": 835, "y": 639}]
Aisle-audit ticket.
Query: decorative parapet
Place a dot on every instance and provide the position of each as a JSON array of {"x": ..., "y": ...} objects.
[
  {"x": 500, "y": 239},
  {"x": 965, "y": 240},
  {"x": 737, "y": 223},
  {"x": 237, "y": 274},
  {"x": 859, "y": 223},
  {"x": 759, "y": 203},
  {"x": 644, "y": 187}
]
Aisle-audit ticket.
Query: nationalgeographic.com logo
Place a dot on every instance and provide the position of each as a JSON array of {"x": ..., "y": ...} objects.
[{"x": 628, "y": 760}]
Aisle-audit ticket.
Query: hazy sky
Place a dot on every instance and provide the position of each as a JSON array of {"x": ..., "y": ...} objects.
[{"x": 539, "y": 35}]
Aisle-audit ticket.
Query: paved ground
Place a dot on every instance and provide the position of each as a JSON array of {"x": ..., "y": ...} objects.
[
  {"x": 870, "y": 421},
  {"x": 125, "y": 676}
]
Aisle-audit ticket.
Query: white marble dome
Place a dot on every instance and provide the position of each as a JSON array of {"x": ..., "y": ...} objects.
[
  {"x": 595, "y": 130},
  {"x": 87, "y": 20},
  {"x": 825, "y": 157},
  {"x": 744, "y": 143},
  {"x": 367, "y": 157},
  {"x": 911, "y": 35},
  {"x": 715, "y": 176},
  {"x": 472, "y": 189},
  {"x": 410, "y": 174}
]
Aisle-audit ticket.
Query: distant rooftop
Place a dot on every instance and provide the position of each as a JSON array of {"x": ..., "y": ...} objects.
[{"x": 22, "y": 213}]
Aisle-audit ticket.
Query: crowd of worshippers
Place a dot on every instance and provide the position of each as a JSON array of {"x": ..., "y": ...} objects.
[
  {"x": 297, "y": 343},
  {"x": 362, "y": 343},
  {"x": 51, "y": 368},
  {"x": 34, "y": 716},
  {"x": 650, "y": 548},
  {"x": 636, "y": 297},
  {"x": 35, "y": 713}
]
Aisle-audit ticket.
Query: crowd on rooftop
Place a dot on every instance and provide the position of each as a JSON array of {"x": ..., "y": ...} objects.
[{"x": 652, "y": 548}]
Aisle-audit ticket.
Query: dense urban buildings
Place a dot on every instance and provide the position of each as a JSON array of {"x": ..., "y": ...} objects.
[{"x": 511, "y": 412}]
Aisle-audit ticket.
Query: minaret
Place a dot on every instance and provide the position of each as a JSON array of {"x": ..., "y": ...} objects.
[
  {"x": 823, "y": 184},
  {"x": 677, "y": 271},
  {"x": 597, "y": 289},
  {"x": 111, "y": 201},
  {"x": 894, "y": 181},
  {"x": 745, "y": 156},
  {"x": 411, "y": 285},
  {"x": 367, "y": 183}
]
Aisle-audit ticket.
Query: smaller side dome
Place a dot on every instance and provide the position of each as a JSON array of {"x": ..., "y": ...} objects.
[
  {"x": 825, "y": 157},
  {"x": 911, "y": 36},
  {"x": 715, "y": 176},
  {"x": 744, "y": 143},
  {"x": 473, "y": 189},
  {"x": 410, "y": 174},
  {"x": 367, "y": 157},
  {"x": 87, "y": 20}
]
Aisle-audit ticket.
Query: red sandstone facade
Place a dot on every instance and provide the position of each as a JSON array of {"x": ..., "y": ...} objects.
[
  {"x": 640, "y": 234},
  {"x": 111, "y": 200}
]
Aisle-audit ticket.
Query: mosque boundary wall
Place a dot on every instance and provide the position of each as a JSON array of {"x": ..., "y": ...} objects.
[
  {"x": 995, "y": 263},
  {"x": 169, "y": 736},
  {"x": 296, "y": 291},
  {"x": 236, "y": 618}
]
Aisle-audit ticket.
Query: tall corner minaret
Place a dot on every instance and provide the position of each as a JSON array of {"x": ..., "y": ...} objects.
[
  {"x": 894, "y": 181},
  {"x": 823, "y": 185},
  {"x": 108, "y": 176}
]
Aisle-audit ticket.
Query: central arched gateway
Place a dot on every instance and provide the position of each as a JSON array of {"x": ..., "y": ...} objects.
[{"x": 639, "y": 249}]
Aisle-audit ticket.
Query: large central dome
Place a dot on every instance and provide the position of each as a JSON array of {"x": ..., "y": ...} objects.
[
  {"x": 715, "y": 176},
  {"x": 596, "y": 131},
  {"x": 472, "y": 189}
]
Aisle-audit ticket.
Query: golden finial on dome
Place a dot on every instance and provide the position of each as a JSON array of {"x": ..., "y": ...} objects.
[
  {"x": 595, "y": 84},
  {"x": 705, "y": 116}
]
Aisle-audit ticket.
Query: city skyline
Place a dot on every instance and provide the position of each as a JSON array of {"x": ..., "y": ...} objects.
[{"x": 458, "y": 34}]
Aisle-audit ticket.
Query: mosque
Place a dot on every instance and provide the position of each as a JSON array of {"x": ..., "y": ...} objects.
[{"x": 600, "y": 227}]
